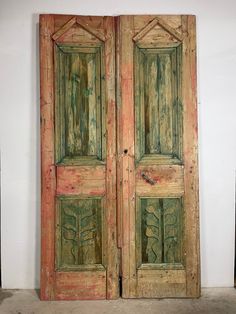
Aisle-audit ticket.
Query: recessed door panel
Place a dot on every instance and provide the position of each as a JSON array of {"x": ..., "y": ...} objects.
[
  {"x": 79, "y": 239},
  {"x": 158, "y": 102},
  {"x": 79, "y": 103},
  {"x": 159, "y": 232}
]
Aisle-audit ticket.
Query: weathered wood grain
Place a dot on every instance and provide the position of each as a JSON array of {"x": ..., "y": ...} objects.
[
  {"x": 163, "y": 64},
  {"x": 169, "y": 180},
  {"x": 110, "y": 94},
  {"x": 190, "y": 134},
  {"x": 158, "y": 108},
  {"x": 78, "y": 106},
  {"x": 93, "y": 30},
  {"x": 159, "y": 231},
  {"x": 85, "y": 285},
  {"x": 48, "y": 179},
  {"x": 155, "y": 162},
  {"x": 119, "y": 140},
  {"x": 126, "y": 120},
  {"x": 174, "y": 21},
  {"x": 79, "y": 230},
  {"x": 81, "y": 180},
  {"x": 64, "y": 29},
  {"x": 85, "y": 123},
  {"x": 161, "y": 283},
  {"x": 76, "y": 28}
]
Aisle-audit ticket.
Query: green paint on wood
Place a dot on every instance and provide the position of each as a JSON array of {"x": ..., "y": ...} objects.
[
  {"x": 79, "y": 103},
  {"x": 161, "y": 230},
  {"x": 158, "y": 107},
  {"x": 79, "y": 232}
]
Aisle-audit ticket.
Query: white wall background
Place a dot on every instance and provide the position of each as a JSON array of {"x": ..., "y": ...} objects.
[{"x": 19, "y": 128}]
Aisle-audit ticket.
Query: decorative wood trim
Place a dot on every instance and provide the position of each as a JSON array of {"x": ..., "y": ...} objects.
[
  {"x": 64, "y": 28},
  {"x": 85, "y": 26},
  {"x": 169, "y": 29},
  {"x": 157, "y": 21},
  {"x": 145, "y": 30},
  {"x": 94, "y": 32}
]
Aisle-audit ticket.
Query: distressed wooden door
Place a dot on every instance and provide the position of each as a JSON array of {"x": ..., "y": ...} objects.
[
  {"x": 158, "y": 172},
  {"x": 78, "y": 144},
  {"x": 127, "y": 82}
]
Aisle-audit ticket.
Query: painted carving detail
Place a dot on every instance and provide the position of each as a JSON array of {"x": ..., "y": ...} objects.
[
  {"x": 162, "y": 235},
  {"x": 80, "y": 232},
  {"x": 153, "y": 234}
]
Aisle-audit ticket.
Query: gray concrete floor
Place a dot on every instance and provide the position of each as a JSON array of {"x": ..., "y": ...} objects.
[{"x": 214, "y": 300}]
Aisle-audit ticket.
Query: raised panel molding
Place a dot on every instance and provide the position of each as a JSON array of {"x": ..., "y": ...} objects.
[
  {"x": 158, "y": 106},
  {"x": 80, "y": 127}
]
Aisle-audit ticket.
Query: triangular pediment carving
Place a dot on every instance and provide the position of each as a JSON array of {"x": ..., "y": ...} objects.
[
  {"x": 77, "y": 31},
  {"x": 157, "y": 31}
]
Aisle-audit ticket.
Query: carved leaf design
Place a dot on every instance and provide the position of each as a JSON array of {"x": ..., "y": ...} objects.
[
  {"x": 162, "y": 230},
  {"x": 80, "y": 231}
]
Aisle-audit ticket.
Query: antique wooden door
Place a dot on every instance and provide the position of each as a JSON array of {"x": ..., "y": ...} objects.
[
  {"x": 78, "y": 143},
  {"x": 158, "y": 191},
  {"x": 119, "y": 157}
]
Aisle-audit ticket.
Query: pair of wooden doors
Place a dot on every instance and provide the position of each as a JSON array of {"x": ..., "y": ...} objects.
[{"x": 119, "y": 157}]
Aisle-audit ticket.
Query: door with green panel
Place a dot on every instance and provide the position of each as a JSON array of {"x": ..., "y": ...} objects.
[
  {"x": 158, "y": 156},
  {"x": 119, "y": 157},
  {"x": 79, "y": 250}
]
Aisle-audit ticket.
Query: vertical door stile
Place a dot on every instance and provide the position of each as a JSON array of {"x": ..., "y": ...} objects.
[
  {"x": 126, "y": 129},
  {"x": 112, "y": 258},
  {"x": 47, "y": 161},
  {"x": 119, "y": 182},
  {"x": 190, "y": 148}
]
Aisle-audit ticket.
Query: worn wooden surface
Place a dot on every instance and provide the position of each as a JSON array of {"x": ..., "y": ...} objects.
[
  {"x": 190, "y": 145},
  {"x": 83, "y": 180},
  {"x": 78, "y": 59},
  {"x": 145, "y": 192},
  {"x": 47, "y": 158},
  {"x": 79, "y": 233},
  {"x": 79, "y": 116},
  {"x": 168, "y": 180},
  {"x": 126, "y": 155},
  {"x": 85, "y": 285},
  {"x": 157, "y": 99},
  {"x": 112, "y": 255},
  {"x": 159, "y": 283},
  {"x": 161, "y": 50},
  {"x": 159, "y": 230}
]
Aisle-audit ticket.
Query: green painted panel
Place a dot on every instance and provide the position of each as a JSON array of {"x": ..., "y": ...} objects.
[
  {"x": 79, "y": 104},
  {"x": 158, "y": 108},
  {"x": 161, "y": 230},
  {"x": 79, "y": 232}
]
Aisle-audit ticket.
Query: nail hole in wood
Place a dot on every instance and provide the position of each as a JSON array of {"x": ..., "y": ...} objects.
[{"x": 125, "y": 151}]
